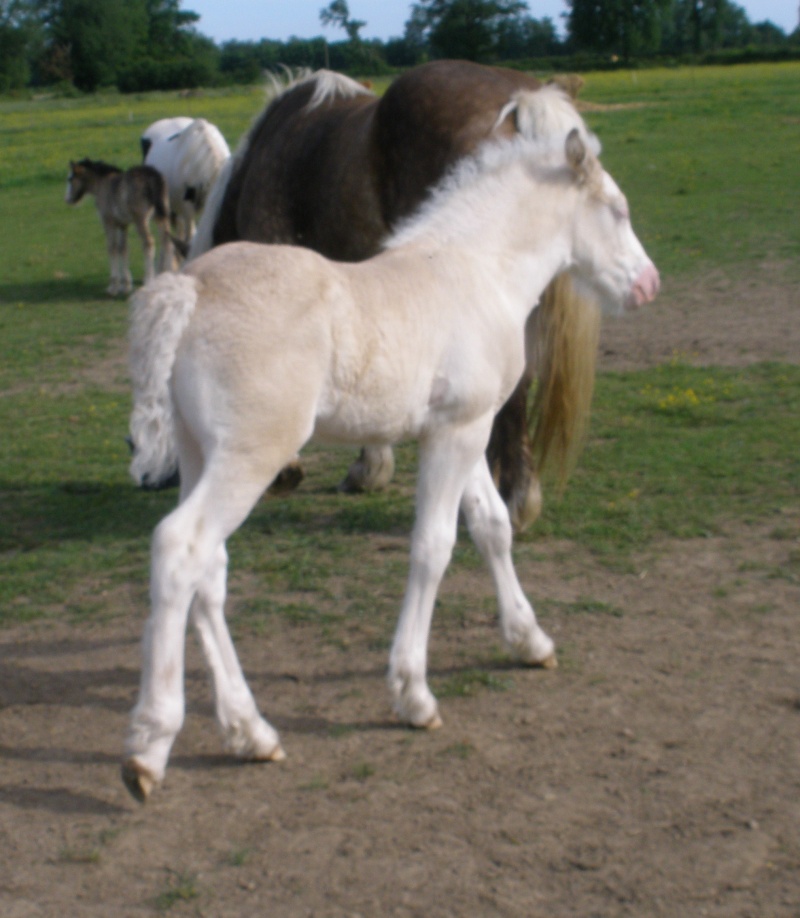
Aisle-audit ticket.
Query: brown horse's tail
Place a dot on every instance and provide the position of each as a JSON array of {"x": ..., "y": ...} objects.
[
  {"x": 563, "y": 336},
  {"x": 529, "y": 436}
]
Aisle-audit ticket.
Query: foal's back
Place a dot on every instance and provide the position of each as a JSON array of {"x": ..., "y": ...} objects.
[{"x": 136, "y": 194}]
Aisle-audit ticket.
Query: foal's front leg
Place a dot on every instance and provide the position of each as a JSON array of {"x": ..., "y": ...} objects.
[
  {"x": 446, "y": 459},
  {"x": 112, "y": 247},
  {"x": 125, "y": 280}
]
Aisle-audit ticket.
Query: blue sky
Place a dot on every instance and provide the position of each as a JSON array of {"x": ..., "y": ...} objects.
[{"x": 251, "y": 20}]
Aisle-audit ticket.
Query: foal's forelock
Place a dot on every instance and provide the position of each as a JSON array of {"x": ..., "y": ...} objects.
[{"x": 547, "y": 116}]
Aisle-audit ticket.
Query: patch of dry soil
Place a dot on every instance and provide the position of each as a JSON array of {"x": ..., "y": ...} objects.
[{"x": 656, "y": 772}]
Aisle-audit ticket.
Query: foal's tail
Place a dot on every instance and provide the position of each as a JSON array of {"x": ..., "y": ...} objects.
[
  {"x": 160, "y": 312},
  {"x": 564, "y": 344}
]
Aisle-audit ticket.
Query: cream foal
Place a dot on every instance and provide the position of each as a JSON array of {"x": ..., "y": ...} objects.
[{"x": 253, "y": 350}]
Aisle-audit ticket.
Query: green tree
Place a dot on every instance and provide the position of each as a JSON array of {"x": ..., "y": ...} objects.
[
  {"x": 90, "y": 40},
  {"x": 337, "y": 14},
  {"x": 463, "y": 28},
  {"x": 169, "y": 29},
  {"x": 619, "y": 28},
  {"x": 523, "y": 36},
  {"x": 705, "y": 25},
  {"x": 19, "y": 36},
  {"x": 95, "y": 43}
]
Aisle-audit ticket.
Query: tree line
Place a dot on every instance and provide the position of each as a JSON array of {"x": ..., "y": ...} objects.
[{"x": 141, "y": 45}]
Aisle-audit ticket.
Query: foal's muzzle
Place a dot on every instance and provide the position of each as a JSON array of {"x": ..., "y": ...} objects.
[{"x": 646, "y": 287}]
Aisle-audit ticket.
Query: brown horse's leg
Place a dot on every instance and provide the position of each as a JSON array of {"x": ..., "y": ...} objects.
[
  {"x": 288, "y": 478},
  {"x": 371, "y": 471},
  {"x": 509, "y": 458}
]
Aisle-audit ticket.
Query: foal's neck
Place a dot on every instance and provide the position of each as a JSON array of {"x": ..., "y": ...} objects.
[{"x": 515, "y": 221}]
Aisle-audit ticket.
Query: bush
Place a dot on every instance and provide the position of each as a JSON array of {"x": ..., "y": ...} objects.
[{"x": 147, "y": 75}]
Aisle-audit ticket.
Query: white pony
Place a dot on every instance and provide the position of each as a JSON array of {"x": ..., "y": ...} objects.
[
  {"x": 255, "y": 349},
  {"x": 189, "y": 153},
  {"x": 161, "y": 130}
]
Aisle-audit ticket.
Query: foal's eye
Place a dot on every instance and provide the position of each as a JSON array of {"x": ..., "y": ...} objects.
[{"x": 620, "y": 210}]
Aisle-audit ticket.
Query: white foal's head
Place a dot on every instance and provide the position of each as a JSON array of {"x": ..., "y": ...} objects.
[{"x": 609, "y": 262}]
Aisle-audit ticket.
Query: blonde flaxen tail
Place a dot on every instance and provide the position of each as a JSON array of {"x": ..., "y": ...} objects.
[{"x": 565, "y": 338}]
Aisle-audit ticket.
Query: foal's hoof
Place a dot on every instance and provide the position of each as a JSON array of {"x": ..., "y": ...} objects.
[
  {"x": 550, "y": 662},
  {"x": 139, "y": 781},
  {"x": 434, "y": 722},
  {"x": 276, "y": 754}
]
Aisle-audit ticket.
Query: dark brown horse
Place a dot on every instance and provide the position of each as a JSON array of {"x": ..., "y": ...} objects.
[{"x": 331, "y": 167}]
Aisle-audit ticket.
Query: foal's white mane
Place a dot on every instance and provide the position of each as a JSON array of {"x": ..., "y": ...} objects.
[{"x": 543, "y": 118}]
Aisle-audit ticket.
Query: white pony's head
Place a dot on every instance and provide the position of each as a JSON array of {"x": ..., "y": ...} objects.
[
  {"x": 544, "y": 117},
  {"x": 608, "y": 261}
]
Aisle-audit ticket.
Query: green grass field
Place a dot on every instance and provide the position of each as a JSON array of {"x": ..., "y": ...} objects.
[{"x": 708, "y": 160}]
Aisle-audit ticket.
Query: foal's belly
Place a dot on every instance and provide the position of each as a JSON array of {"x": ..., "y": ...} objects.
[
  {"x": 389, "y": 414},
  {"x": 361, "y": 423}
]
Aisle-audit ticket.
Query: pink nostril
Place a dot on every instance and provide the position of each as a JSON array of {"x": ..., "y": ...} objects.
[{"x": 647, "y": 286}]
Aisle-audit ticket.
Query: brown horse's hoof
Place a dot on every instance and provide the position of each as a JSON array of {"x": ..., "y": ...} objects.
[
  {"x": 139, "y": 781},
  {"x": 288, "y": 479}
]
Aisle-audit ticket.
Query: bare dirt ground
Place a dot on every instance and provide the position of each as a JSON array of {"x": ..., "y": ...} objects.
[{"x": 656, "y": 772}]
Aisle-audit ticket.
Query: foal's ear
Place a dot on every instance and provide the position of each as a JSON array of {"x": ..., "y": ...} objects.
[
  {"x": 508, "y": 109},
  {"x": 575, "y": 150}
]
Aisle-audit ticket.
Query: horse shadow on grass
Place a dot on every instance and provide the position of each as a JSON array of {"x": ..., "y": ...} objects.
[
  {"x": 40, "y": 515},
  {"x": 57, "y": 290},
  {"x": 58, "y": 800}
]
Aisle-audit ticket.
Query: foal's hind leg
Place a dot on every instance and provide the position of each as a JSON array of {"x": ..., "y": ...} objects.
[
  {"x": 186, "y": 562},
  {"x": 246, "y": 734},
  {"x": 490, "y": 528},
  {"x": 148, "y": 246},
  {"x": 124, "y": 279},
  {"x": 113, "y": 248},
  {"x": 166, "y": 254}
]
